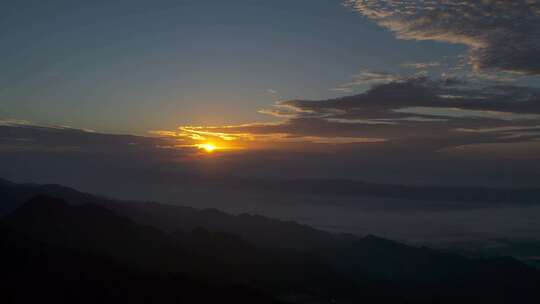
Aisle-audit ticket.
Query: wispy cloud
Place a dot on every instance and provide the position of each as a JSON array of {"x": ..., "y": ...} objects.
[
  {"x": 421, "y": 65},
  {"x": 25, "y": 123},
  {"x": 14, "y": 122},
  {"x": 368, "y": 78}
]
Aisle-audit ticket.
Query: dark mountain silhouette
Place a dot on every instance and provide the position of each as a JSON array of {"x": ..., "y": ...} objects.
[
  {"x": 14, "y": 195},
  {"x": 259, "y": 230},
  {"x": 371, "y": 256},
  {"x": 293, "y": 262},
  {"x": 92, "y": 228},
  {"x": 35, "y": 272},
  {"x": 218, "y": 257}
]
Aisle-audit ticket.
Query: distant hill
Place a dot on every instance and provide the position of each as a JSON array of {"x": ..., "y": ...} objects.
[
  {"x": 428, "y": 196},
  {"x": 473, "y": 196},
  {"x": 13, "y": 195}
]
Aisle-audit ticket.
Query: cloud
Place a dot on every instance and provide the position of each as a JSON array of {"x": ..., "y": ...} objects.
[
  {"x": 28, "y": 136},
  {"x": 10, "y": 122},
  {"x": 368, "y": 78},
  {"x": 522, "y": 132},
  {"x": 503, "y": 35},
  {"x": 464, "y": 113},
  {"x": 421, "y": 65},
  {"x": 257, "y": 136},
  {"x": 383, "y": 99},
  {"x": 416, "y": 111},
  {"x": 14, "y": 122}
]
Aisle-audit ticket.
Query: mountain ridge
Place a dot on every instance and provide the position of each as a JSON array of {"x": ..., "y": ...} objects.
[{"x": 282, "y": 258}]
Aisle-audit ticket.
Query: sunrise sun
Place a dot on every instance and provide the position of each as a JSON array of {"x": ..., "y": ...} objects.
[{"x": 209, "y": 148}]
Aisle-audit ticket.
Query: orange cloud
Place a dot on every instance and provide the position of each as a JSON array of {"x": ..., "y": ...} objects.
[{"x": 232, "y": 137}]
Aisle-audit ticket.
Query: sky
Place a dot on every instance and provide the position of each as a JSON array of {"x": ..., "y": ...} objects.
[
  {"x": 275, "y": 71},
  {"x": 386, "y": 80},
  {"x": 134, "y": 66}
]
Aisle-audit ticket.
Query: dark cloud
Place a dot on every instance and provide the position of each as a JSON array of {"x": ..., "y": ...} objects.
[
  {"x": 419, "y": 111},
  {"x": 382, "y": 100},
  {"x": 501, "y": 35}
]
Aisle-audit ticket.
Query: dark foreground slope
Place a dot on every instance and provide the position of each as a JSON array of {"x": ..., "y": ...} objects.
[
  {"x": 36, "y": 272},
  {"x": 220, "y": 258},
  {"x": 87, "y": 244},
  {"x": 415, "y": 274}
]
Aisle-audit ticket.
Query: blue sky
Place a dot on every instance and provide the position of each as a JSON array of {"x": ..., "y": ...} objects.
[{"x": 134, "y": 66}]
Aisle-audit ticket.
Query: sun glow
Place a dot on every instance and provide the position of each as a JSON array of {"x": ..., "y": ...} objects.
[{"x": 209, "y": 148}]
